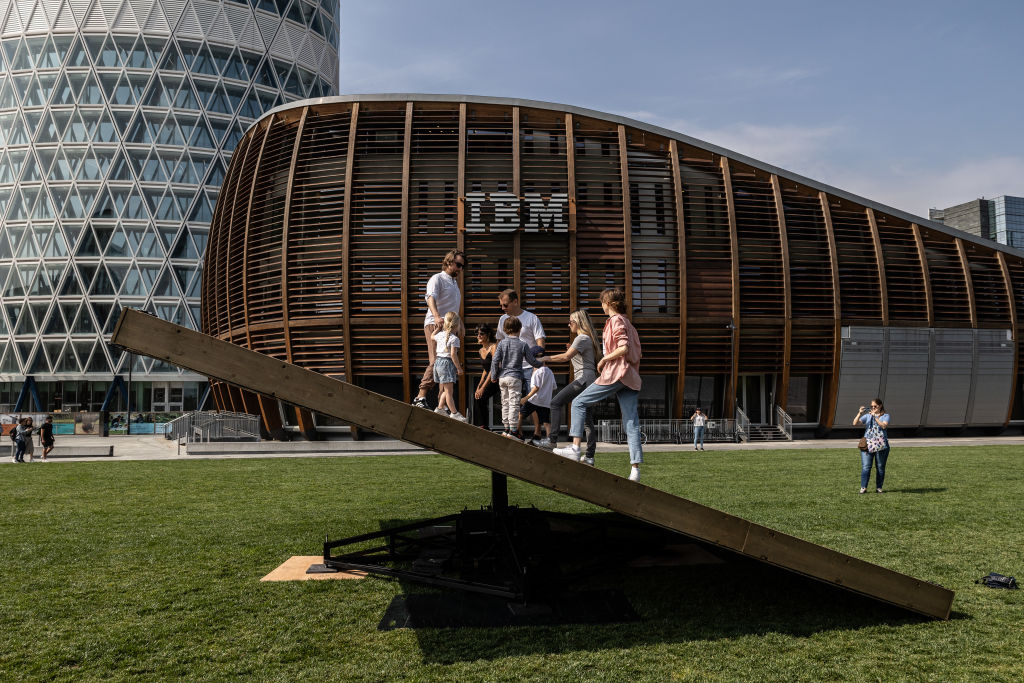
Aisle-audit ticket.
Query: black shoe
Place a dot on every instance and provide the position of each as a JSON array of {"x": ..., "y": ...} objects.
[{"x": 420, "y": 402}]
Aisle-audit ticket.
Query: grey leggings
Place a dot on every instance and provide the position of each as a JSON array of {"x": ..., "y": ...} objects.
[{"x": 564, "y": 398}]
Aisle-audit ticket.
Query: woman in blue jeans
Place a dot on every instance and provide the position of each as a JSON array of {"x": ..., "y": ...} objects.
[
  {"x": 876, "y": 415},
  {"x": 619, "y": 376}
]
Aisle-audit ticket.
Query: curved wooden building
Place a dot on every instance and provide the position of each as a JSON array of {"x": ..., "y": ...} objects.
[{"x": 750, "y": 286}]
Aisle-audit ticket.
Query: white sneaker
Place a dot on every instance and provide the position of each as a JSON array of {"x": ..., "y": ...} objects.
[
  {"x": 571, "y": 452},
  {"x": 458, "y": 416},
  {"x": 441, "y": 410},
  {"x": 544, "y": 443},
  {"x": 587, "y": 461},
  {"x": 634, "y": 474}
]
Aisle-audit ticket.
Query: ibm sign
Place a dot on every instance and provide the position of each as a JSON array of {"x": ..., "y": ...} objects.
[{"x": 505, "y": 212}]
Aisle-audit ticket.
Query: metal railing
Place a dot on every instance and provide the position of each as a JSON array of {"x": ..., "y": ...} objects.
[
  {"x": 667, "y": 431},
  {"x": 214, "y": 426},
  {"x": 784, "y": 422},
  {"x": 742, "y": 425}
]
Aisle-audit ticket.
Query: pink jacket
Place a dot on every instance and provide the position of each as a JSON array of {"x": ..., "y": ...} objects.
[{"x": 618, "y": 331}]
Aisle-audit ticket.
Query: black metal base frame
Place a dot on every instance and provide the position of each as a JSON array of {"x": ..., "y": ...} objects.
[{"x": 521, "y": 554}]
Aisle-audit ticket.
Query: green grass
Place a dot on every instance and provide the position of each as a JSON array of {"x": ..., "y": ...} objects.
[{"x": 150, "y": 570}]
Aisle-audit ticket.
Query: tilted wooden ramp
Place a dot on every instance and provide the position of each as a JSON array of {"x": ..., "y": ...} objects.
[{"x": 148, "y": 335}]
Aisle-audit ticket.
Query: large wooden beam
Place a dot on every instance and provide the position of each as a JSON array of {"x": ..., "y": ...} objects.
[
  {"x": 570, "y": 165},
  {"x": 883, "y": 288},
  {"x": 677, "y": 186},
  {"x": 831, "y": 393},
  {"x": 143, "y": 333},
  {"x": 627, "y": 221},
  {"x": 404, "y": 273},
  {"x": 1008, "y": 283},
  {"x": 787, "y": 342},
  {"x": 734, "y": 243},
  {"x": 968, "y": 281},
  {"x": 923, "y": 257}
]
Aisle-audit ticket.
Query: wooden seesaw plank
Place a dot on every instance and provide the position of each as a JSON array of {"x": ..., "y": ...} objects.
[{"x": 146, "y": 334}]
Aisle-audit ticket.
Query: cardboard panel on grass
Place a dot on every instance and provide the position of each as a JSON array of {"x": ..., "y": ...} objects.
[{"x": 146, "y": 334}]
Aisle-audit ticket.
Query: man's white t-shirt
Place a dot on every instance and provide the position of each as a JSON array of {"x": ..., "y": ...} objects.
[
  {"x": 531, "y": 332},
  {"x": 447, "y": 297},
  {"x": 544, "y": 381}
]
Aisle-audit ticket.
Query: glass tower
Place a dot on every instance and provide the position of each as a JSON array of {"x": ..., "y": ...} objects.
[{"x": 117, "y": 121}]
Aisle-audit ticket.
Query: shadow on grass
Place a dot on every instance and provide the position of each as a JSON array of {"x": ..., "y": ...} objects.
[
  {"x": 918, "y": 490},
  {"x": 689, "y": 602},
  {"x": 683, "y": 604}
]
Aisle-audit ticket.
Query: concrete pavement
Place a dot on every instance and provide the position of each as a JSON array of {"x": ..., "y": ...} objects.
[{"x": 159, "y": 448}]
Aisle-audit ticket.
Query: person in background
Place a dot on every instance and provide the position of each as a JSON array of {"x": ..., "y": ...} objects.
[
  {"x": 619, "y": 377},
  {"x": 531, "y": 331},
  {"x": 443, "y": 296},
  {"x": 875, "y": 416},
  {"x": 700, "y": 421},
  {"x": 26, "y": 447},
  {"x": 485, "y": 389},
  {"x": 46, "y": 437},
  {"x": 583, "y": 352},
  {"x": 446, "y": 365},
  {"x": 537, "y": 403},
  {"x": 507, "y": 371}
]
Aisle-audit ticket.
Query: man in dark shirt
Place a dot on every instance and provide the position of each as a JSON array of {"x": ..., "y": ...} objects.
[{"x": 46, "y": 437}]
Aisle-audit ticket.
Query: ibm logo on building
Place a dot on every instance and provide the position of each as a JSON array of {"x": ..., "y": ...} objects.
[{"x": 505, "y": 212}]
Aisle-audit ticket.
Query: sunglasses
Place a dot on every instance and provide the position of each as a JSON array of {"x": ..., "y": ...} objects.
[{"x": 459, "y": 264}]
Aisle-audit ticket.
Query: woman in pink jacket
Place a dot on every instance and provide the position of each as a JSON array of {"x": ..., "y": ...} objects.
[{"x": 619, "y": 377}]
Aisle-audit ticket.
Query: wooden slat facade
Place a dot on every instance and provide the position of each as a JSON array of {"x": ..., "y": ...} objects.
[{"x": 334, "y": 214}]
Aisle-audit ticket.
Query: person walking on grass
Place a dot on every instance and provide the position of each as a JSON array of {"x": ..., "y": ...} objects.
[
  {"x": 582, "y": 352},
  {"x": 619, "y": 377},
  {"x": 507, "y": 371},
  {"x": 46, "y": 437},
  {"x": 700, "y": 421},
  {"x": 876, "y": 435},
  {"x": 446, "y": 365},
  {"x": 443, "y": 296}
]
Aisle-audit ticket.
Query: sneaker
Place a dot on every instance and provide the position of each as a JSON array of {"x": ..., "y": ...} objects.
[
  {"x": 514, "y": 436},
  {"x": 545, "y": 443},
  {"x": 695, "y": 448},
  {"x": 878, "y": 490},
  {"x": 420, "y": 402},
  {"x": 571, "y": 452},
  {"x": 634, "y": 474},
  {"x": 702, "y": 448},
  {"x": 863, "y": 490},
  {"x": 505, "y": 434},
  {"x": 587, "y": 461},
  {"x": 458, "y": 416},
  {"x": 440, "y": 410}
]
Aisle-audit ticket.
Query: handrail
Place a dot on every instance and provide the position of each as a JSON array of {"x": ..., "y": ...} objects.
[
  {"x": 784, "y": 422},
  {"x": 667, "y": 431},
  {"x": 208, "y": 425},
  {"x": 742, "y": 425}
]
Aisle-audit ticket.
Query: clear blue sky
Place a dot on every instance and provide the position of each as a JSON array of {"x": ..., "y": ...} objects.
[{"x": 912, "y": 104}]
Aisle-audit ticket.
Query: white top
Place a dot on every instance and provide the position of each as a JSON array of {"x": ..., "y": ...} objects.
[
  {"x": 447, "y": 297},
  {"x": 444, "y": 350},
  {"x": 531, "y": 332},
  {"x": 544, "y": 381},
  {"x": 700, "y": 420}
]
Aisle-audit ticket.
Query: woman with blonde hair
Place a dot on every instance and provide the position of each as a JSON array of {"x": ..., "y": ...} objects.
[
  {"x": 446, "y": 364},
  {"x": 619, "y": 376},
  {"x": 583, "y": 352}
]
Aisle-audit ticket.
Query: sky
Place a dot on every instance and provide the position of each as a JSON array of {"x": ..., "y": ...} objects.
[{"x": 910, "y": 104}]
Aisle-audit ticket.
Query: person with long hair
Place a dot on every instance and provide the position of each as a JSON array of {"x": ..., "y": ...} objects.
[
  {"x": 446, "y": 365},
  {"x": 582, "y": 352},
  {"x": 619, "y": 376},
  {"x": 874, "y": 419},
  {"x": 485, "y": 389}
]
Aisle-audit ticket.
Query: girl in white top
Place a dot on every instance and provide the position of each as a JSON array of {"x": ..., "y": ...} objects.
[{"x": 446, "y": 364}]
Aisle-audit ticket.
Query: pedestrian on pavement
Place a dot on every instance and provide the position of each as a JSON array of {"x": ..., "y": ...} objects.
[
  {"x": 46, "y": 437},
  {"x": 700, "y": 421}
]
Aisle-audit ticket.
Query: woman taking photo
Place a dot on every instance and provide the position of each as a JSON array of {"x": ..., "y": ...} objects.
[
  {"x": 619, "y": 376},
  {"x": 875, "y": 443},
  {"x": 485, "y": 388},
  {"x": 583, "y": 353}
]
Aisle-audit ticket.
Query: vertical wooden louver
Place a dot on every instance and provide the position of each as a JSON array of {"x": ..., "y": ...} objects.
[{"x": 335, "y": 213}]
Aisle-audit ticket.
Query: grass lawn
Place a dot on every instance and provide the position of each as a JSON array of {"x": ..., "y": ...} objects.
[{"x": 151, "y": 570}]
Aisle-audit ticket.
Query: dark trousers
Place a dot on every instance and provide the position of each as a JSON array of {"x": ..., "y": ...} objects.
[{"x": 480, "y": 408}]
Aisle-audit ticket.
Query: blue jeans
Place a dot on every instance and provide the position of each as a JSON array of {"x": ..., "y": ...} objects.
[
  {"x": 627, "y": 398},
  {"x": 865, "y": 467},
  {"x": 698, "y": 436}
]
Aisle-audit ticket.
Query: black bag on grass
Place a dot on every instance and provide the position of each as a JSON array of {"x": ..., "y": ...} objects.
[{"x": 994, "y": 580}]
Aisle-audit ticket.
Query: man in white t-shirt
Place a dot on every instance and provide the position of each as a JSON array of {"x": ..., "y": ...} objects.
[
  {"x": 443, "y": 295},
  {"x": 532, "y": 332}
]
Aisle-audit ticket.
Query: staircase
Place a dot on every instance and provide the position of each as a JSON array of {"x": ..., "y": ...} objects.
[{"x": 762, "y": 432}]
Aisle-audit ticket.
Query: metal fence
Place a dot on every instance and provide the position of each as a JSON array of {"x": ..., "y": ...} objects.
[
  {"x": 784, "y": 421},
  {"x": 742, "y": 425},
  {"x": 214, "y": 426},
  {"x": 667, "y": 431}
]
